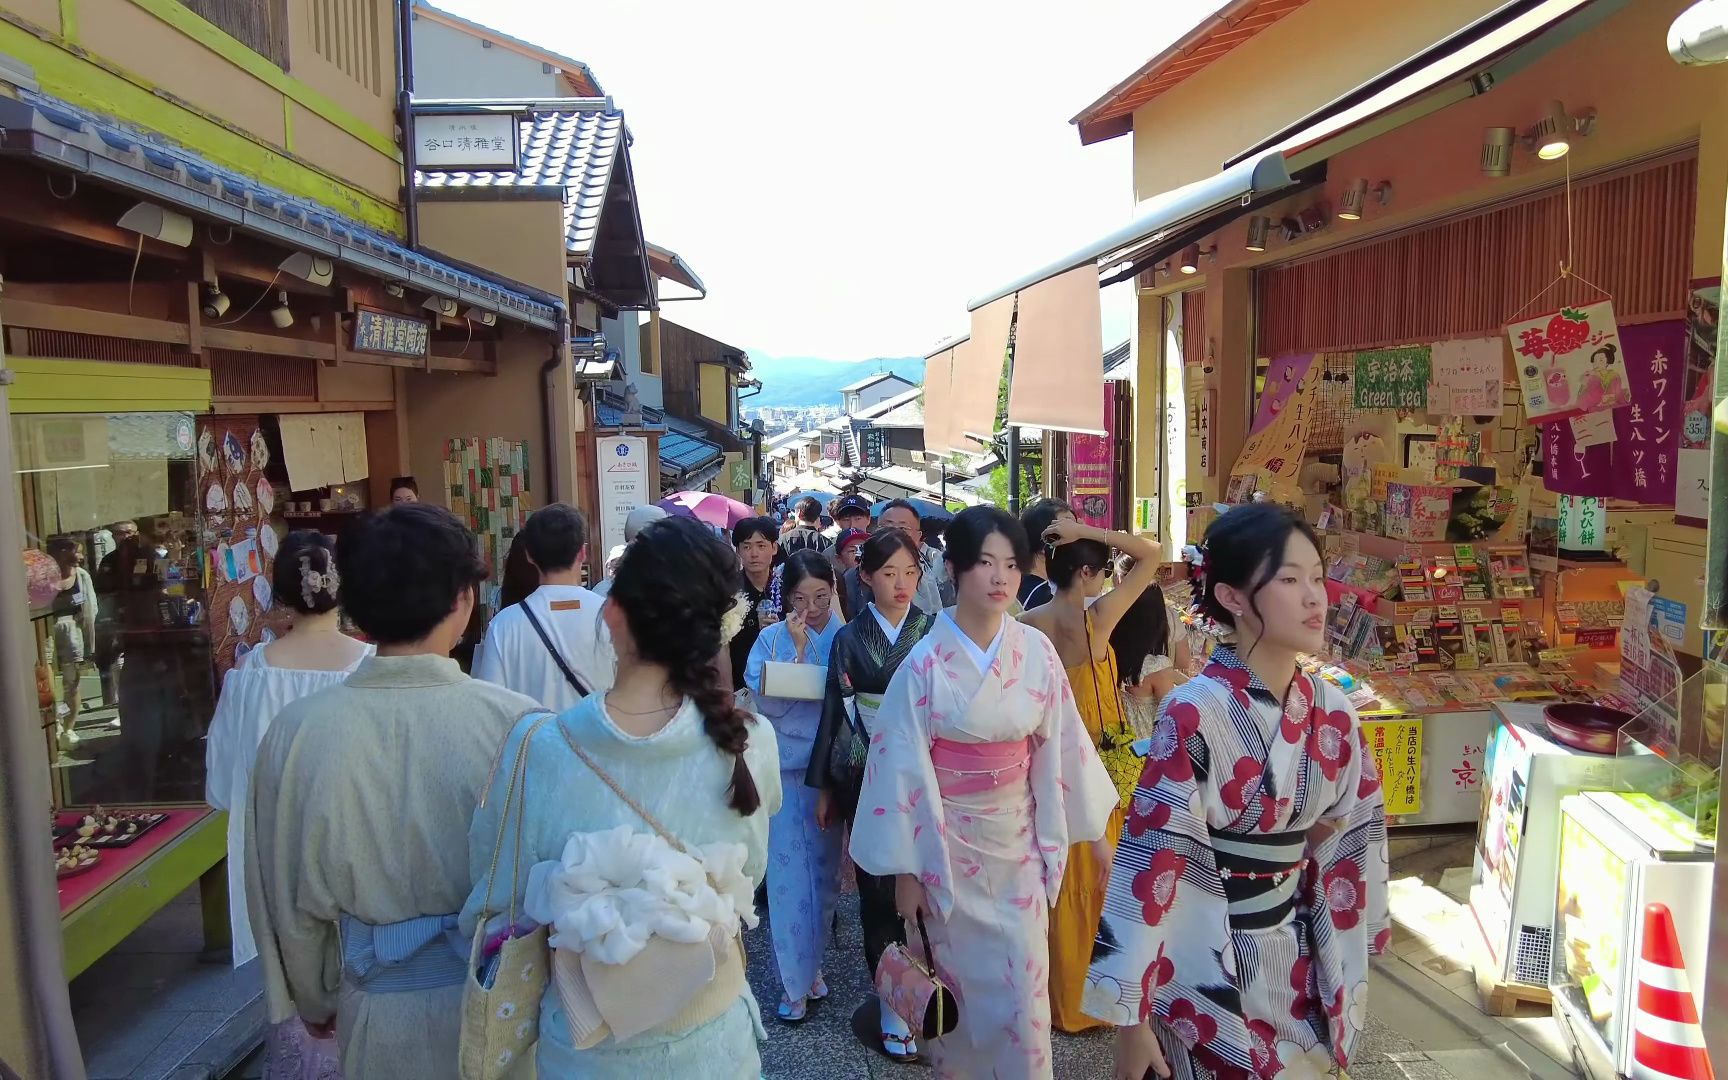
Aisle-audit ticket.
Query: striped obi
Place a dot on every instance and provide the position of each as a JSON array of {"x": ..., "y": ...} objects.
[
  {"x": 1261, "y": 873},
  {"x": 964, "y": 768},
  {"x": 422, "y": 953}
]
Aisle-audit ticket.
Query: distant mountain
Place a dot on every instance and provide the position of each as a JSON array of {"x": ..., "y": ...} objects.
[{"x": 792, "y": 381}]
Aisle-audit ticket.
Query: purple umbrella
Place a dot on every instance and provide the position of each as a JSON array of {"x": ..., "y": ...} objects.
[{"x": 706, "y": 506}]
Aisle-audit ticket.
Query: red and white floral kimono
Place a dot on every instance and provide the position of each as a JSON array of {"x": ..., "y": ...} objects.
[
  {"x": 980, "y": 776},
  {"x": 1249, "y": 888}
]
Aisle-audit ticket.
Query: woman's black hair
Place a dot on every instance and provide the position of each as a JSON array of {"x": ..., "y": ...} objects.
[
  {"x": 679, "y": 628},
  {"x": 403, "y": 570},
  {"x": 800, "y": 565},
  {"x": 1067, "y": 560},
  {"x": 1244, "y": 548},
  {"x": 882, "y": 545},
  {"x": 521, "y": 577},
  {"x": 408, "y": 482},
  {"x": 752, "y": 527},
  {"x": 972, "y": 526},
  {"x": 301, "y": 554},
  {"x": 1039, "y": 517},
  {"x": 1607, "y": 349},
  {"x": 1144, "y": 631}
]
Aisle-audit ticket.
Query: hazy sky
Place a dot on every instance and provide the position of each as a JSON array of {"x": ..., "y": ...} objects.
[{"x": 845, "y": 178}]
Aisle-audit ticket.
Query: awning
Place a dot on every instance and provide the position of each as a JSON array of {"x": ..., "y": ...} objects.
[
  {"x": 685, "y": 453},
  {"x": 670, "y": 266},
  {"x": 1466, "y": 64},
  {"x": 939, "y": 434},
  {"x": 51, "y": 132}
]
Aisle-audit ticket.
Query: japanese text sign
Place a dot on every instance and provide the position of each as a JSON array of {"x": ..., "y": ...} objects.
[
  {"x": 1393, "y": 378},
  {"x": 391, "y": 335},
  {"x": 1640, "y": 462},
  {"x": 1396, "y": 746},
  {"x": 1569, "y": 362},
  {"x": 1467, "y": 377},
  {"x": 465, "y": 141}
]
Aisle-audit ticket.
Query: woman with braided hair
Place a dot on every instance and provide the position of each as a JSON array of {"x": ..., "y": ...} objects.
[{"x": 664, "y": 754}]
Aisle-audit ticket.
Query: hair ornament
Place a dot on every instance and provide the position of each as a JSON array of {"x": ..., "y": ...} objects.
[
  {"x": 733, "y": 621},
  {"x": 313, "y": 582}
]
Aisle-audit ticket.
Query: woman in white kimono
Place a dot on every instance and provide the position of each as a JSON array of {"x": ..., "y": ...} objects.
[
  {"x": 1249, "y": 887},
  {"x": 313, "y": 655},
  {"x": 670, "y": 736},
  {"x": 980, "y": 776},
  {"x": 803, "y": 857}
]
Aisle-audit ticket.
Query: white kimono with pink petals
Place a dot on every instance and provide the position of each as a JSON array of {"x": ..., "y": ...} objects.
[{"x": 991, "y": 860}]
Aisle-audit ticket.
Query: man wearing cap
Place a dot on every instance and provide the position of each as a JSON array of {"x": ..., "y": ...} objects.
[
  {"x": 851, "y": 512},
  {"x": 639, "y": 519},
  {"x": 552, "y": 646}
]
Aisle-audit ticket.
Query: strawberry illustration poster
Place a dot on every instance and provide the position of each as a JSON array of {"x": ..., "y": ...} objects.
[{"x": 1569, "y": 362}]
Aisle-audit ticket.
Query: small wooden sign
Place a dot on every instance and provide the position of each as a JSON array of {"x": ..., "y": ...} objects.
[{"x": 388, "y": 334}]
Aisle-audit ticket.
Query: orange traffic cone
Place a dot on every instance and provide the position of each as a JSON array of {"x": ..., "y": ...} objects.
[{"x": 1667, "y": 1042}]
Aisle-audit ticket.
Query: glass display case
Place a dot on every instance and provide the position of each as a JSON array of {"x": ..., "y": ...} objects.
[{"x": 1670, "y": 755}]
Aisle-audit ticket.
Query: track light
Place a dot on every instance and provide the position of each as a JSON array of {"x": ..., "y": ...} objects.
[
  {"x": 1355, "y": 198},
  {"x": 280, "y": 314},
  {"x": 1190, "y": 261},
  {"x": 1551, "y": 138},
  {"x": 442, "y": 305},
  {"x": 1497, "y": 151},
  {"x": 313, "y": 268},
  {"x": 215, "y": 301},
  {"x": 158, "y": 223},
  {"x": 481, "y": 316},
  {"x": 1258, "y": 227}
]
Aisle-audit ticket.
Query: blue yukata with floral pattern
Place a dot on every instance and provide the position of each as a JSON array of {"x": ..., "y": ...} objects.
[{"x": 803, "y": 860}]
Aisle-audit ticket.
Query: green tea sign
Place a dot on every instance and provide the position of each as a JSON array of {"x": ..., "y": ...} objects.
[{"x": 1393, "y": 378}]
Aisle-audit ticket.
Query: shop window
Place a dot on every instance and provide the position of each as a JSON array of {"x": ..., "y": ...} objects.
[{"x": 117, "y": 612}]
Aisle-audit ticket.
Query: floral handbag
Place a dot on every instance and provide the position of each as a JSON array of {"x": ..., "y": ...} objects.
[
  {"x": 1116, "y": 748},
  {"x": 911, "y": 988},
  {"x": 501, "y": 997}
]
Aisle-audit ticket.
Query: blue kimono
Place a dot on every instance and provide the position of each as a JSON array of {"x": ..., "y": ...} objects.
[{"x": 803, "y": 860}]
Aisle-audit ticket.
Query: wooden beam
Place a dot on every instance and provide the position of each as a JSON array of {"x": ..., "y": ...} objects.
[
  {"x": 247, "y": 341},
  {"x": 248, "y": 406},
  {"x": 195, "y": 324},
  {"x": 471, "y": 364},
  {"x": 76, "y": 320},
  {"x": 409, "y": 363}
]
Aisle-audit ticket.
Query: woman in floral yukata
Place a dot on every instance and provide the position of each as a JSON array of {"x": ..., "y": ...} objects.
[
  {"x": 1249, "y": 887},
  {"x": 979, "y": 777}
]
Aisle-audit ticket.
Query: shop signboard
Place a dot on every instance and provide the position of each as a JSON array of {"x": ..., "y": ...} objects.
[
  {"x": 740, "y": 476},
  {"x": 1091, "y": 460},
  {"x": 385, "y": 333},
  {"x": 1271, "y": 459},
  {"x": 1468, "y": 377},
  {"x": 830, "y": 446},
  {"x": 624, "y": 484},
  {"x": 1396, "y": 746},
  {"x": 1583, "y": 521},
  {"x": 1284, "y": 377},
  {"x": 873, "y": 447},
  {"x": 1393, "y": 378},
  {"x": 467, "y": 140},
  {"x": 1633, "y": 452},
  {"x": 1570, "y": 361},
  {"x": 1692, "y": 486}
]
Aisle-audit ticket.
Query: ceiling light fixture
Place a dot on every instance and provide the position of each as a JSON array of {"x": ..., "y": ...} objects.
[
  {"x": 158, "y": 223},
  {"x": 443, "y": 305},
  {"x": 1351, "y": 202},
  {"x": 1290, "y": 228},
  {"x": 216, "y": 302},
  {"x": 1258, "y": 227},
  {"x": 1551, "y": 138},
  {"x": 313, "y": 268},
  {"x": 481, "y": 316},
  {"x": 1497, "y": 151},
  {"x": 281, "y": 314},
  {"x": 1312, "y": 219},
  {"x": 1190, "y": 261},
  {"x": 395, "y": 288}
]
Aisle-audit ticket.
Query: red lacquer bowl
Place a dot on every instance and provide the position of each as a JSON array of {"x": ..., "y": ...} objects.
[{"x": 1583, "y": 726}]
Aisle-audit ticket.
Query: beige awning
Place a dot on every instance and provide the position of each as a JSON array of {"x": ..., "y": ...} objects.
[
  {"x": 939, "y": 435},
  {"x": 1058, "y": 373},
  {"x": 977, "y": 379}
]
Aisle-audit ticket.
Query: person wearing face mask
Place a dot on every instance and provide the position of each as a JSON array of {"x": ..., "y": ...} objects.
[
  {"x": 867, "y": 652},
  {"x": 1079, "y": 619},
  {"x": 803, "y": 859},
  {"x": 980, "y": 777},
  {"x": 362, "y": 794},
  {"x": 1256, "y": 843}
]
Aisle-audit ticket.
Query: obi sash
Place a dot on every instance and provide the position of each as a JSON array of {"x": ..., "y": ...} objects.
[
  {"x": 964, "y": 768},
  {"x": 422, "y": 953},
  {"x": 1261, "y": 873}
]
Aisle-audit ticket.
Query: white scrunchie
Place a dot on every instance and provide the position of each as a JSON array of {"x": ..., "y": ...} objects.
[{"x": 611, "y": 891}]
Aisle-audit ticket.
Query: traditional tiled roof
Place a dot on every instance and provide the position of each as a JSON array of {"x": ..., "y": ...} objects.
[{"x": 684, "y": 449}]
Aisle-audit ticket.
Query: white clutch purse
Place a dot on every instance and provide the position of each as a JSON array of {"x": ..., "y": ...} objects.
[{"x": 796, "y": 682}]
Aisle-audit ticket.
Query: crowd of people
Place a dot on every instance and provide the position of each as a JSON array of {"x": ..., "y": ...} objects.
[{"x": 1057, "y": 821}]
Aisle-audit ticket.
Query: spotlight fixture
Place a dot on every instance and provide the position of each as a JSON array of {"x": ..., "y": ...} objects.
[
  {"x": 1497, "y": 151},
  {"x": 395, "y": 288},
  {"x": 1289, "y": 228},
  {"x": 1551, "y": 138},
  {"x": 281, "y": 315},
  {"x": 1258, "y": 227},
  {"x": 314, "y": 268},
  {"x": 1190, "y": 261},
  {"x": 158, "y": 223},
  {"x": 216, "y": 301},
  {"x": 481, "y": 316},
  {"x": 1312, "y": 219},
  {"x": 442, "y": 305}
]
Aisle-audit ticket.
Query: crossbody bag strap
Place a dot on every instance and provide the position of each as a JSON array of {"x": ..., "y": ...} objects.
[
  {"x": 515, "y": 795},
  {"x": 557, "y": 657}
]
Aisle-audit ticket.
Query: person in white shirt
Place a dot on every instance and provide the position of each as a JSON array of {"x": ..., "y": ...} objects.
[
  {"x": 552, "y": 646},
  {"x": 638, "y": 519}
]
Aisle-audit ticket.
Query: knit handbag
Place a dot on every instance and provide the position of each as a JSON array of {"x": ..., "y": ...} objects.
[{"x": 501, "y": 999}]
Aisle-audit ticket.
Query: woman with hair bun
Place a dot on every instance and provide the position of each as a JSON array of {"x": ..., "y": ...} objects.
[
  {"x": 312, "y": 655},
  {"x": 980, "y": 776},
  {"x": 1249, "y": 887},
  {"x": 805, "y": 881},
  {"x": 664, "y": 753}
]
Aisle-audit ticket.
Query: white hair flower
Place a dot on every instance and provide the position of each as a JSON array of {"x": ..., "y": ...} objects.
[{"x": 733, "y": 621}]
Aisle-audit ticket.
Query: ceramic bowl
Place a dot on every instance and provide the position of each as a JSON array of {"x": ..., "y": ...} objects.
[{"x": 1583, "y": 726}]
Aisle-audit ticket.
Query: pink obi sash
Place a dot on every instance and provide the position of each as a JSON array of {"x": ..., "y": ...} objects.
[{"x": 964, "y": 768}]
